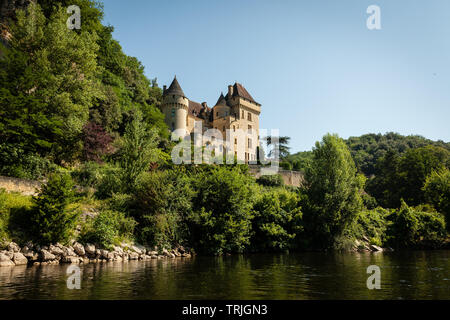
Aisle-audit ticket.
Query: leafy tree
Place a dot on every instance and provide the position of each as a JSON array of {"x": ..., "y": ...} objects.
[
  {"x": 96, "y": 142},
  {"x": 137, "y": 150},
  {"x": 414, "y": 227},
  {"x": 45, "y": 87},
  {"x": 281, "y": 143},
  {"x": 50, "y": 221},
  {"x": 162, "y": 204},
  {"x": 332, "y": 194},
  {"x": 437, "y": 192},
  {"x": 221, "y": 221},
  {"x": 277, "y": 220}
]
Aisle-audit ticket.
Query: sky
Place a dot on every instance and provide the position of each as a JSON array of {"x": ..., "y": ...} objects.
[{"x": 313, "y": 65}]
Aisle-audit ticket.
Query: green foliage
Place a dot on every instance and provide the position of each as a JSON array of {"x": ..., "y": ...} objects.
[
  {"x": 413, "y": 227},
  {"x": 4, "y": 218},
  {"x": 277, "y": 220},
  {"x": 108, "y": 228},
  {"x": 161, "y": 205},
  {"x": 372, "y": 224},
  {"x": 221, "y": 221},
  {"x": 49, "y": 219},
  {"x": 47, "y": 81},
  {"x": 137, "y": 150},
  {"x": 404, "y": 176},
  {"x": 275, "y": 180},
  {"x": 437, "y": 192},
  {"x": 332, "y": 194}
]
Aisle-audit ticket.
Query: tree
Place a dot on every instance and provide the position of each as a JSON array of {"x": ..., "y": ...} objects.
[
  {"x": 138, "y": 148},
  {"x": 332, "y": 194},
  {"x": 50, "y": 221},
  {"x": 437, "y": 192},
  {"x": 277, "y": 220},
  {"x": 222, "y": 212},
  {"x": 96, "y": 142},
  {"x": 278, "y": 142},
  {"x": 46, "y": 88}
]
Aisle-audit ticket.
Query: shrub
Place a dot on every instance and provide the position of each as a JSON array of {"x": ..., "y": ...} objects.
[
  {"x": 88, "y": 175},
  {"x": 275, "y": 180},
  {"x": 108, "y": 228},
  {"x": 161, "y": 205},
  {"x": 221, "y": 221},
  {"x": 413, "y": 227},
  {"x": 277, "y": 220},
  {"x": 50, "y": 221},
  {"x": 4, "y": 217},
  {"x": 437, "y": 192},
  {"x": 372, "y": 224}
]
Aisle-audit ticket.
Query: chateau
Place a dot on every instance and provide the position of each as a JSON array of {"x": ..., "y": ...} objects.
[{"x": 237, "y": 111}]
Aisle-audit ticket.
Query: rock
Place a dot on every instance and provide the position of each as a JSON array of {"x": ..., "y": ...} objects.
[
  {"x": 181, "y": 249},
  {"x": 14, "y": 247},
  {"x": 56, "y": 251},
  {"x": 79, "y": 249},
  {"x": 172, "y": 255},
  {"x": 69, "y": 252},
  {"x": 30, "y": 254},
  {"x": 71, "y": 259},
  {"x": 37, "y": 263},
  {"x": 166, "y": 253},
  {"x": 137, "y": 249},
  {"x": 375, "y": 248},
  {"x": 6, "y": 263},
  {"x": 176, "y": 253},
  {"x": 46, "y": 256},
  {"x": 118, "y": 250},
  {"x": 154, "y": 256},
  {"x": 134, "y": 256},
  {"x": 89, "y": 249},
  {"x": 152, "y": 253},
  {"x": 110, "y": 256},
  {"x": 19, "y": 259},
  {"x": 9, "y": 254},
  {"x": 186, "y": 255},
  {"x": 104, "y": 254}
]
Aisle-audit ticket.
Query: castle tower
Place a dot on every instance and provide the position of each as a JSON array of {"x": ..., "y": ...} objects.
[{"x": 175, "y": 107}]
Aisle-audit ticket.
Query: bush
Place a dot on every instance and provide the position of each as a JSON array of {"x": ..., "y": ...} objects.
[
  {"x": 413, "y": 227},
  {"x": 4, "y": 217},
  {"x": 277, "y": 220},
  {"x": 437, "y": 192},
  {"x": 275, "y": 180},
  {"x": 88, "y": 175},
  {"x": 372, "y": 224},
  {"x": 161, "y": 205},
  {"x": 108, "y": 228},
  {"x": 50, "y": 221},
  {"x": 221, "y": 221},
  {"x": 15, "y": 162}
]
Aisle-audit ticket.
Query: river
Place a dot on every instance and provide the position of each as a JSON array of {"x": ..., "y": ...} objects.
[{"x": 404, "y": 275}]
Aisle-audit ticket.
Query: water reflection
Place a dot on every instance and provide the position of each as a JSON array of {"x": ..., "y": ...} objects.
[{"x": 404, "y": 275}]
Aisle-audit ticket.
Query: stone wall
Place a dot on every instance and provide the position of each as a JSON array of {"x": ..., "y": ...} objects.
[
  {"x": 25, "y": 187},
  {"x": 290, "y": 178}
]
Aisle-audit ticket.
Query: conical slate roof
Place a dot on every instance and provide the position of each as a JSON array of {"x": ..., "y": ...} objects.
[
  {"x": 175, "y": 88},
  {"x": 221, "y": 101}
]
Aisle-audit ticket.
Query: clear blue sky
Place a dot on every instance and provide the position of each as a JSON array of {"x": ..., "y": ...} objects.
[{"x": 313, "y": 65}]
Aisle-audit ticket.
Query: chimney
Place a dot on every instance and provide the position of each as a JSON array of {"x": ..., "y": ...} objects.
[
  {"x": 230, "y": 91},
  {"x": 204, "y": 105},
  {"x": 164, "y": 88}
]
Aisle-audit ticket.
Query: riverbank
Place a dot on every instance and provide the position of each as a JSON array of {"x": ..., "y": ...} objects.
[{"x": 77, "y": 253}]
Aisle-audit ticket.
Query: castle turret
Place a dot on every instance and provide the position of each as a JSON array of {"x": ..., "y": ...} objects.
[{"x": 175, "y": 107}]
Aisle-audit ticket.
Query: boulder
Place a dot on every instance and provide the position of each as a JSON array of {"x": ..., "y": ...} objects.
[
  {"x": 79, "y": 249},
  {"x": 166, "y": 253},
  {"x": 57, "y": 251},
  {"x": 181, "y": 249},
  {"x": 30, "y": 254},
  {"x": 68, "y": 252},
  {"x": 134, "y": 256},
  {"x": 7, "y": 263},
  {"x": 89, "y": 249},
  {"x": 14, "y": 247},
  {"x": 19, "y": 259},
  {"x": 375, "y": 248},
  {"x": 104, "y": 254},
  {"x": 46, "y": 256},
  {"x": 152, "y": 253},
  {"x": 71, "y": 259}
]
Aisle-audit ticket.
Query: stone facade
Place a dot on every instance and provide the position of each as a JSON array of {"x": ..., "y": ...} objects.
[{"x": 236, "y": 113}]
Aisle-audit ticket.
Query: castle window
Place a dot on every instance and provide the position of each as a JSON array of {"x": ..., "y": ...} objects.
[
  {"x": 217, "y": 114},
  {"x": 173, "y": 112},
  {"x": 243, "y": 114},
  {"x": 235, "y": 140},
  {"x": 234, "y": 128},
  {"x": 249, "y": 143},
  {"x": 249, "y": 118}
]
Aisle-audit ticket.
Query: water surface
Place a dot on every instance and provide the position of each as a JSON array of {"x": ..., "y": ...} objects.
[{"x": 404, "y": 275}]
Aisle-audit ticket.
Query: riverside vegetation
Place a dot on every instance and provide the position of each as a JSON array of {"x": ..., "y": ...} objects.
[{"x": 78, "y": 112}]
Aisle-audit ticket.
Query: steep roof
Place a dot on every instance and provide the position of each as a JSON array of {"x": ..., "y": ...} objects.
[
  {"x": 175, "y": 88},
  {"x": 240, "y": 91},
  {"x": 221, "y": 101},
  {"x": 195, "y": 109}
]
